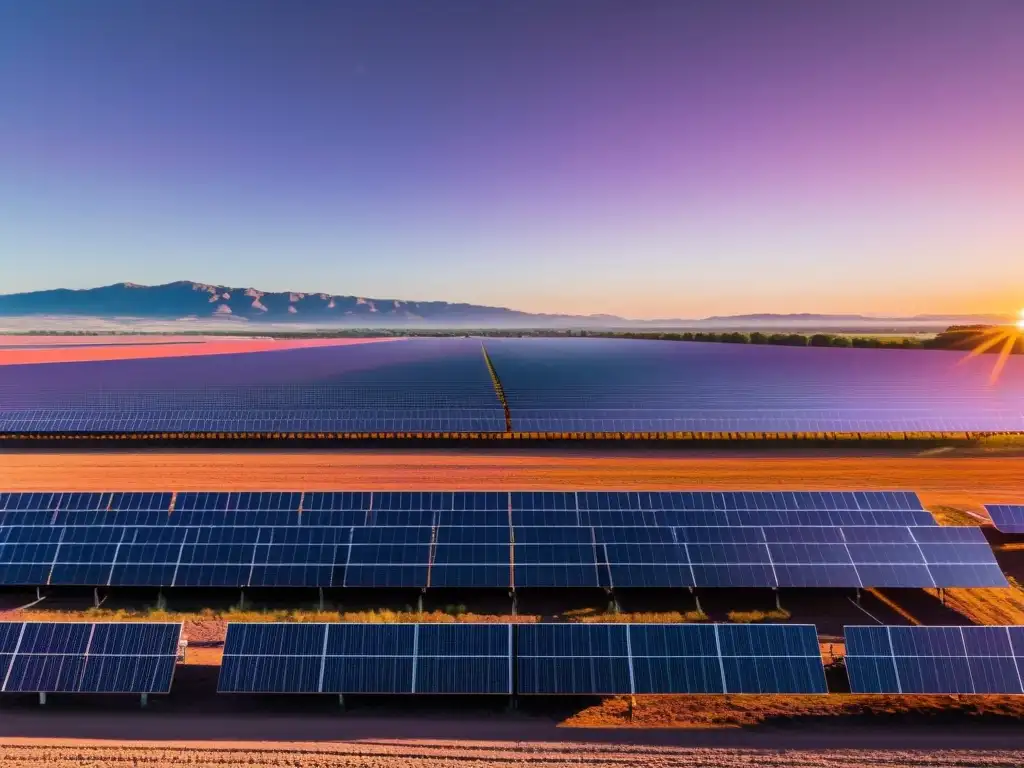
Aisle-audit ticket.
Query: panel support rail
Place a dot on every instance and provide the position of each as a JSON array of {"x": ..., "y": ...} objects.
[{"x": 498, "y": 389}]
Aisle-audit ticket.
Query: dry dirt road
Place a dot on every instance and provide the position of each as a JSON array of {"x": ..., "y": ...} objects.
[
  {"x": 424, "y": 741},
  {"x": 514, "y": 755},
  {"x": 958, "y": 481}
]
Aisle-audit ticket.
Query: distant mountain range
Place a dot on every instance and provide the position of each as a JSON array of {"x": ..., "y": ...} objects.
[{"x": 218, "y": 303}]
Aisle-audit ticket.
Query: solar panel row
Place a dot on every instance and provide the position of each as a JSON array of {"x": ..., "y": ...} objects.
[
  {"x": 954, "y": 660},
  {"x": 696, "y": 420},
  {"x": 616, "y": 385},
  {"x": 586, "y": 508},
  {"x": 55, "y": 657},
  {"x": 528, "y": 659},
  {"x": 586, "y": 501},
  {"x": 1008, "y": 518},
  {"x": 84, "y": 420},
  {"x": 497, "y": 556}
]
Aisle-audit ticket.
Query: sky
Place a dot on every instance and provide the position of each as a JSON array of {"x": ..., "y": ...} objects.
[{"x": 644, "y": 158}]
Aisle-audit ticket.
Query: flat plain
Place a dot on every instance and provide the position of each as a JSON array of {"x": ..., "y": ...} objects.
[{"x": 964, "y": 482}]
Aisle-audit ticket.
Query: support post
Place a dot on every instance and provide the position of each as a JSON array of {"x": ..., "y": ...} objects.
[
  {"x": 341, "y": 701},
  {"x": 858, "y": 595},
  {"x": 144, "y": 700},
  {"x": 942, "y": 595},
  {"x": 161, "y": 601},
  {"x": 632, "y": 706},
  {"x": 321, "y": 591},
  {"x": 96, "y": 596},
  {"x": 419, "y": 603},
  {"x": 778, "y": 599},
  {"x": 515, "y": 602},
  {"x": 39, "y": 593},
  {"x": 696, "y": 600},
  {"x": 241, "y": 600},
  {"x": 42, "y": 698}
]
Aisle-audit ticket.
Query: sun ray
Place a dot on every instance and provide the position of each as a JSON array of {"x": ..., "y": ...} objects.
[
  {"x": 997, "y": 335},
  {"x": 1004, "y": 355}
]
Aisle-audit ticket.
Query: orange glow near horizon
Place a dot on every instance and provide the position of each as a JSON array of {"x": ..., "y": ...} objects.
[{"x": 1008, "y": 337}]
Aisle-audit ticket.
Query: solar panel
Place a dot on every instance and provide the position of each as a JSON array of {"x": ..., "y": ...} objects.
[
  {"x": 724, "y": 508},
  {"x": 607, "y": 659},
  {"x": 555, "y": 557},
  {"x": 939, "y": 660},
  {"x": 64, "y": 657},
  {"x": 388, "y": 557},
  {"x": 472, "y": 557},
  {"x": 1008, "y": 518},
  {"x": 367, "y": 658}
]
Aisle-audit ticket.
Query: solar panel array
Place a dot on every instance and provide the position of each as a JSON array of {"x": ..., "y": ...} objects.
[
  {"x": 953, "y": 660},
  {"x": 562, "y": 659},
  {"x": 367, "y": 658},
  {"x": 422, "y": 385},
  {"x": 1008, "y": 518},
  {"x": 428, "y": 385},
  {"x": 487, "y": 539},
  {"x": 69, "y": 657},
  {"x": 632, "y": 385}
]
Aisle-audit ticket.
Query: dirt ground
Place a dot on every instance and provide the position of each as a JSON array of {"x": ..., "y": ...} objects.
[
  {"x": 959, "y": 482},
  {"x": 126, "y": 350},
  {"x": 482, "y": 755}
]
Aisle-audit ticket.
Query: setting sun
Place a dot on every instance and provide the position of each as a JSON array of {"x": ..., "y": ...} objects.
[{"x": 1020, "y": 320}]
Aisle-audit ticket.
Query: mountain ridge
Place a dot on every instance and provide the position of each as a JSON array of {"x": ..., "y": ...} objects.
[{"x": 186, "y": 299}]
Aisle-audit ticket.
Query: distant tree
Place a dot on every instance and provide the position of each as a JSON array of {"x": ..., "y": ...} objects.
[
  {"x": 758, "y": 338},
  {"x": 841, "y": 341},
  {"x": 822, "y": 340}
]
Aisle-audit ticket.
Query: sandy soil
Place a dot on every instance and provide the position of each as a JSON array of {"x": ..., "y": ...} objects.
[
  {"x": 964, "y": 482},
  {"x": 125, "y": 351},
  {"x": 434, "y": 755},
  {"x": 70, "y": 341}
]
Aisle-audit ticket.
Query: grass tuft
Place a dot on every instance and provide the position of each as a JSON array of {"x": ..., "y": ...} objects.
[{"x": 752, "y": 617}]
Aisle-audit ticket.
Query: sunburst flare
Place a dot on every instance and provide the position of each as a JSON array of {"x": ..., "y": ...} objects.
[{"x": 1010, "y": 337}]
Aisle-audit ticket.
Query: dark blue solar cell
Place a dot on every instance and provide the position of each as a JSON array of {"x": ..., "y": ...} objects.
[
  {"x": 569, "y": 640},
  {"x": 565, "y": 676},
  {"x": 218, "y": 501},
  {"x": 48, "y": 673},
  {"x": 774, "y": 675},
  {"x": 270, "y": 674},
  {"x": 543, "y": 500},
  {"x": 1008, "y": 518},
  {"x": 919, "y": 659},
  {"x": 376, "y": 675},
  {"x": 10, "y": 632}
]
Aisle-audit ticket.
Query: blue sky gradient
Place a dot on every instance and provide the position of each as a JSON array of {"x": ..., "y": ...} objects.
[{"x": 647, "y": 159}]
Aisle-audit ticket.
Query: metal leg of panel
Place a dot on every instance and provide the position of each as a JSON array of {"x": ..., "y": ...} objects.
[
  {"x": 321, "y": 591},
  {"x": 161, "y": 601},
  {"x": 341, "y": 701},
  {"x": 241, "y": 599},
  {"x": 778, "y": 599},
  {"x": 632, "y": 707},
  {"x": 39, "y": 593},
  {"x": 144, "y": 700},
  {"x": 942, "y": 595},
  {"x": 42, "y": 698},
  {"x": 696, "y": 600},
  {"x": 419, "y": 603},
  {"x": 858, "y": 595},
  {"x": 515, "y": 603},
  {"x": 96, "y": 596}
]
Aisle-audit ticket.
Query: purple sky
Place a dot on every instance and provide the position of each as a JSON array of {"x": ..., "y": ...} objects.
[{"x": 649, "y": 159}]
